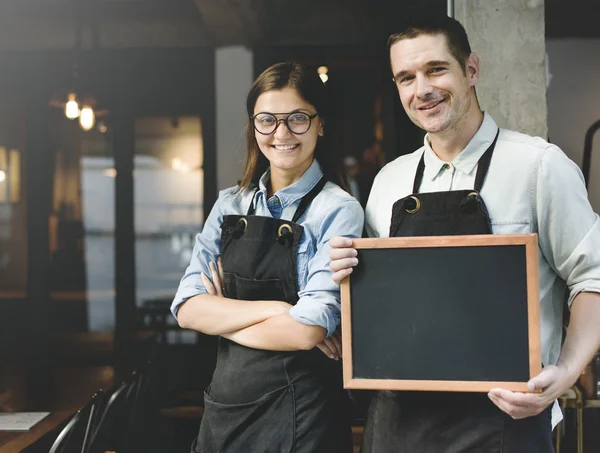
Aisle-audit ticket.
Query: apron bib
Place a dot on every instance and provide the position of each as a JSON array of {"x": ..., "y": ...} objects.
[{"x": 268, "y": 401}]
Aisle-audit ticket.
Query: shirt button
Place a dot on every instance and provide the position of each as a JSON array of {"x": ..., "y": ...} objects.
[{"x": 276, "y": 200}]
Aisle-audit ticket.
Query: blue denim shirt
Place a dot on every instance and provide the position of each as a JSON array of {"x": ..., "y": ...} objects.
[{"x": 332, "y": 213}]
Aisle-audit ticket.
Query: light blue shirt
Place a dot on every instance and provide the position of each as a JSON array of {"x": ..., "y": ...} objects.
[
  {"x": 332, "y": 213},
  {"x": 531, "y": 187}
]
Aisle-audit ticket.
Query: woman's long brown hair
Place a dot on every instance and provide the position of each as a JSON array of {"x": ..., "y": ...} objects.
[{"x": 309, "y": 87}]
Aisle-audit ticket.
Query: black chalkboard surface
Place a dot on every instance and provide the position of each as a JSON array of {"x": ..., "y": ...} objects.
[{"x": 455, "y": 313}]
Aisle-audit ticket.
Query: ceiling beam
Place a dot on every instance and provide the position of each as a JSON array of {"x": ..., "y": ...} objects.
[
  {"x": 101, "y": 9},
  {"x": 232, "y": 22}
]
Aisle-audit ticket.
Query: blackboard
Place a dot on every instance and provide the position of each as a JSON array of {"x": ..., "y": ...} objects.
[{"x": 451, "y": 313}]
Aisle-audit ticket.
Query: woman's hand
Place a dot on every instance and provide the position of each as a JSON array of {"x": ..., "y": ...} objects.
[
  {"x": 214, "y": 285},
  {"x": 332, "y": 346},
  {"x": 216, "y": 314}
]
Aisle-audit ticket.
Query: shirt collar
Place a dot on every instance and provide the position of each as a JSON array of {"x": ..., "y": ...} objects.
[
  {"x": 467, "y": 160},
  {"x": 296, "y": 191}
]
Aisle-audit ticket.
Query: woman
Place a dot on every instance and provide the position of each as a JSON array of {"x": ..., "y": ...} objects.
[{"x": 272, "y": 389}]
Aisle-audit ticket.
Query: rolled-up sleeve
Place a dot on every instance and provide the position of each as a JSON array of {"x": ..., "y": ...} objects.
[
  {"x": 206, "y": 249},
  {"x": 569, "y": 230},
  {"x": 319, "y": 302}
]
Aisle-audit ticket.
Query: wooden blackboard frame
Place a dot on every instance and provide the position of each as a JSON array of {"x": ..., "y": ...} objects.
[{"x": 533, "y": 308}]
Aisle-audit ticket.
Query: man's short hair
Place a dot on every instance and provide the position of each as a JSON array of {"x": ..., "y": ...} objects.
[{"x": 455, "y": 34}]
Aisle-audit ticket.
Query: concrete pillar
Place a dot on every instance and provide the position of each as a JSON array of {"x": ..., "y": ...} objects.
[
  {"x": 233, "y": 79},
  {"x": 508, "y": 36}
]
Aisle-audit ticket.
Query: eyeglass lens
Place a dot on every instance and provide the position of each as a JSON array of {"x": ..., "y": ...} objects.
[{"x": 296, "y": 122}]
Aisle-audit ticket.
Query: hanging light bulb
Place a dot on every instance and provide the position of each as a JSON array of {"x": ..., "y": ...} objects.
[
  {"x": 102, "y": 126},
  {"x": 87, "y": 118},
  {"x": 322, "y": 71},
  {"x": 72, "y": 108}
]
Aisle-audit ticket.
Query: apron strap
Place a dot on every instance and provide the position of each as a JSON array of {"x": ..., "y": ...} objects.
[
  {"x": 419, "y": 174},
  {"x": 482, "y": 167},
  {"x": 484, "y": 164},
  {"x": 306, "y": 200}
]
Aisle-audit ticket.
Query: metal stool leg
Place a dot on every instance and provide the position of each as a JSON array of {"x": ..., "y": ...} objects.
[
  {"x": 579, "y": 409},
  {"x": 558, "y": 437}
]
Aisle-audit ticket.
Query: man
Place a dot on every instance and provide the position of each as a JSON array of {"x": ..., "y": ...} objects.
[{"x": 527, "y": 185}]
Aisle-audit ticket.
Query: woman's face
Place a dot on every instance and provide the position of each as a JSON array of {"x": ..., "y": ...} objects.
[{"x": 288, "y": 153}]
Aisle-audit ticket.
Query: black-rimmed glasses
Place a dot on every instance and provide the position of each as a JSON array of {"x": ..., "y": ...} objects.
[{"x": 297, "y": 122}]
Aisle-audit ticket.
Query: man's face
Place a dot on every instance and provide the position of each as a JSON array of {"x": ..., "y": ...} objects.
[{"x": 434, "y": 89}]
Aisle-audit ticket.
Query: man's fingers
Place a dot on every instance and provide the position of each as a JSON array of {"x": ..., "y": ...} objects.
[
  {"x": 210, "y": 288},
  {"x": 340, "y": 241},
  {"x": 346, "y": 263},
  {"x": 545, "y": 379},
  {"x": 341, "y": 275},
  {"x": 338, "y": 254},
  {"x": 342, "y": 260},
  {"x": 518, "y": 405},
  {"x": 515, "y": 399},
  {"x": 514, "y": 411},
  {"x": 504, "y": 406}
]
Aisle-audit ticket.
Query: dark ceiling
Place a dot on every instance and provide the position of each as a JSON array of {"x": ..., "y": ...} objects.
[
  {"x": 280, "y": 22},
  {"x": 572, "y": 19}
]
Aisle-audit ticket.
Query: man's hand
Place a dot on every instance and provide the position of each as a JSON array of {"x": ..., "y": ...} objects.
[
  {"x": 553, "y": 381},
  {"x": 343, "y": 258},
  {"x": 332, "y": 346}
]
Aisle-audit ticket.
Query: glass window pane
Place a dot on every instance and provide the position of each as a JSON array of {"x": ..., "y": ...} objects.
[
  {"x": 82, "y": 226},
  {"x": 13, "y": 203},
  {"x": 98, "y": 193},
  {"x": 168, "y": 207}
]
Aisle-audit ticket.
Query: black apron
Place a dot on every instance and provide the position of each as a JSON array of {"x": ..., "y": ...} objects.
[
  {"x": 268, "y": 401},
  {"x": 438, "y": 422}
]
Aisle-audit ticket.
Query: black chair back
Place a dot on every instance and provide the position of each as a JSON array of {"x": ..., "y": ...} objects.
[
  {"x": 144, "y": 421},
  {"x": 75, "y": 437},
  {"x": 113, "y": 430}
]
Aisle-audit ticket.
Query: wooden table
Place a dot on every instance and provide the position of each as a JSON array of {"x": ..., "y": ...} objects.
[
  {"x": 60, "y": 377},
  {"x": 17, "y": 441},
  {"x": 60, "y": 390}
]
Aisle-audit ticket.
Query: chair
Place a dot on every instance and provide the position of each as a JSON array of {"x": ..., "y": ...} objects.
[
  {"x": 76, "y": 435},
  {"x": 571, "y": 398},
  {"x": 126, "y": 423},
  {"x": 144, "y": 423},
  {"x": 112, "y": 430},
  {"x": 575, "y": 399}
]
